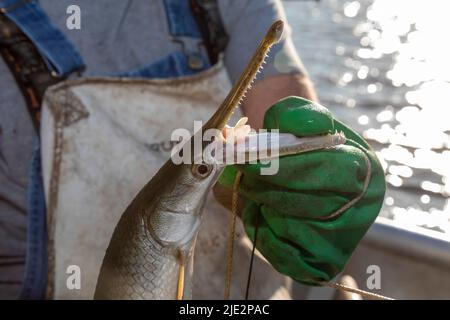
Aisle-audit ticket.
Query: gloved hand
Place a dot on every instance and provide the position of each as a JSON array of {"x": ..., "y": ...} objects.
[{"x": 312, "y": 214}]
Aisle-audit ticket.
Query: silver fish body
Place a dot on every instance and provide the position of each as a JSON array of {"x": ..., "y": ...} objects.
[{"x": 156, "y": 235}]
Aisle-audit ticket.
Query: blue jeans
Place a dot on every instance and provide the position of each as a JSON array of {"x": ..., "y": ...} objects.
[{"x": 62, "y": 57}]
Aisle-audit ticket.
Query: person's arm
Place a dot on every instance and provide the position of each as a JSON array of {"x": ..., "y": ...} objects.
[
  {"x": 268, "y": 91},
  {"x": 259, "y": 99},
  {"x": 246, "y": 22},
  {"x": 311, "y": 215}
]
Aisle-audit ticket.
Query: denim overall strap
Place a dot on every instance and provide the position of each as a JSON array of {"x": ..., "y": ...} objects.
[
  {"x": 181, "y": 19},
  {"x": 184, "y": 30},
  {"x": 35, "y": 278},
  {"x": 59, "y": 53}
]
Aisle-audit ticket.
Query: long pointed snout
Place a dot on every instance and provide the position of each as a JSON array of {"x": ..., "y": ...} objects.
[
  {"x": 269, "y": 146},
  {"x": 232, "y": 101}
]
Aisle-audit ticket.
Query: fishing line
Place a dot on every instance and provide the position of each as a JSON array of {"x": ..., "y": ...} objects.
[
  {"x": 232, "y": 234},
  {"x": 250, "y": 269},
  {"x": 365, "y": 294},
  {"x": 180, "y": 286}
]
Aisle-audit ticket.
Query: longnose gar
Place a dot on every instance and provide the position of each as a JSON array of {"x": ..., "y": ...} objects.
[{"x": 151, "y": 251}]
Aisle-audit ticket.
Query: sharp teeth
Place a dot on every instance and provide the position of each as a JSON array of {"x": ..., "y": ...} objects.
[{"x": 260, "y": 69}]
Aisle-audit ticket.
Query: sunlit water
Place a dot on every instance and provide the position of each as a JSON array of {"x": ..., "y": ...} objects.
[{"x": 382, "y": 66}]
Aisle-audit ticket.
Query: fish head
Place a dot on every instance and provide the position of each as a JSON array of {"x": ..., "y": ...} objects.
[{"x": 175, "y": 217}]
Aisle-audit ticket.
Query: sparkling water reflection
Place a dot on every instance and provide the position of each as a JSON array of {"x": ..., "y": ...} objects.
[{"x": 382, "y": 67}]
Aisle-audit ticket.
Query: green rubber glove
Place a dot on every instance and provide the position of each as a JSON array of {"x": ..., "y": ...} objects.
[{"x": 312, "y": 214}]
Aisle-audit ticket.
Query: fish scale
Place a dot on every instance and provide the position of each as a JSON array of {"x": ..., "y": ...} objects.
[{"x": 139, "y": 268}]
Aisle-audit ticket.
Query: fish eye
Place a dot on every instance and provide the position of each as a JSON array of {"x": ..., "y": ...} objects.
[{"x": 201, "y": 170}]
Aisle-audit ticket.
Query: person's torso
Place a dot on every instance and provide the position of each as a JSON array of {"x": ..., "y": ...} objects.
[{"x": 116, "y": 38}]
